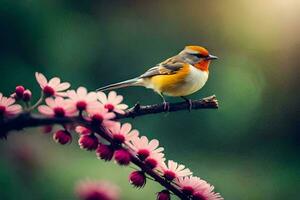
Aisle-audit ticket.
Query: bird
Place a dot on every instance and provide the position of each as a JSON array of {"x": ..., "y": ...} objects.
[{"x": 178, "y": 76}]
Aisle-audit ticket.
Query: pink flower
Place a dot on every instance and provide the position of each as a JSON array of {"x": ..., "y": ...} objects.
[
  {"x": 7, "y": 106},
  {"x": 57, "y": 107},
  {"x": 100, "y": 115},
  {"x": 27, "y": 95},
  {"x": 19, "y": 91},
  {"x": 52, "y": 88},
  {"x": 88, "y": 142},
  {"x": 137, "y": 179},
  {"x": 62, "y": 137},
  {"x": 122, "y": 157},
  {"x": 112, "y": 102},
  {"x": 83, "y": 130},
  {"x": 97, "y": 190},
  {"x": 155, "y": 160},
  {"x": 105, "y": 152},
  {"x": 145, "y": 148},
  {"x": 189, "y": 184},
  {"x": 205, "y": 192},
  {"x": 123, "y": 133},
  {"x": 81, "y": 98},
  {"x": 163, "y": 195},
  {"x": 174, "y": 170}
]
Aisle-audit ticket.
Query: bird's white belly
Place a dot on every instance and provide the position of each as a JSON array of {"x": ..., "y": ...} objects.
[{"x": 193, "y": 82}]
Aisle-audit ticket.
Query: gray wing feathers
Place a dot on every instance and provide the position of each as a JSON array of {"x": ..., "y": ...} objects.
[{"x": 163, "y": 69}]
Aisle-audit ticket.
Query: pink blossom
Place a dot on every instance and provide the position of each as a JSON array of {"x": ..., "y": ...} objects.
[
  {"x": 163, "y": 195},
  {"x": 100, "y": 115},
  {"x": 122, "y": 157},
  {"x": 174, "y": 170},
  {"x": 19, "y": 91},
  {"x": 52, "y": 88},
  {"x": 27, "y": 95},
  {"x": 57, "y": 107},
  {"x": 123, "y": 133},
  {"x": 145, "y": 148},
  {"x": 82, "y": 99},
  {"x": 88, "y": 142},
  {"x": 189, "y": 184},
  {"x": 105, "y": 152},
  {"x": 83, "y": 130},
  {"x": 97, "y": 190},
  {"x": 112, "y": 102},
  {"x": 155, "y": 160},
  {"x": 192, "y": 184},
  {"x": 7, "y": 106},
  {"x": 137, "y": 179},
  {"x": 62, "y": 137},
  {"x": 205, "y": 192}
]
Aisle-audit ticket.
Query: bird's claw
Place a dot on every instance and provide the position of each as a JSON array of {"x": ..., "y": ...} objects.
[
  {"x": 190, "y": 104},
  {"x": 166, "y": 106}
]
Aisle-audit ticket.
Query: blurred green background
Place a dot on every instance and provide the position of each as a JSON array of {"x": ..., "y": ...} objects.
[{"x": 248, "y": 148}]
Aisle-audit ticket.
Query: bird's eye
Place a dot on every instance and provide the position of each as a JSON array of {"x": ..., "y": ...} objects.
[{"x": 198, "y": 55}]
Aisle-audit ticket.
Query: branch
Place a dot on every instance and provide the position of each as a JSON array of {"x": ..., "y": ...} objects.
[
  {"x": 210, "y": 102},
  {"x": 25, "y": 120}
]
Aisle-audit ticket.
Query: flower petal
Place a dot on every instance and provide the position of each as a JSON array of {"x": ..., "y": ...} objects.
[
  {"x": 41, "y": 79},
  {"x": 54, "y": 82},
  {"x": 46, "y": 110}
]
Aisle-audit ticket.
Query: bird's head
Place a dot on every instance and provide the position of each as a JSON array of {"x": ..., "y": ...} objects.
[{"x": 197, "y": 56}]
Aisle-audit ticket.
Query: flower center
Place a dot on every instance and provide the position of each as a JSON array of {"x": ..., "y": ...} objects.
[
  {"x": 151, "y": 163},
  {"x": 198, "y": 196},
  {"x": 169, "y": 175},
  {"x": 48, "y": 91},
  {"x": 59, "y": 112},
  {"x": 119, "y": 138},
  {"x": 81, "y": 105},
  {"x": 109, "y": 107},
  {"x": 188, "y": 190},
  {"x": 97, "y": 119},
  {"x": 143, "y": 154},
  {"x": 2, "y": 110}
]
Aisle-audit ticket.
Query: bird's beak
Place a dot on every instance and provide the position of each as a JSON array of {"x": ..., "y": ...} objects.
[{"x": 211, "y": 57}]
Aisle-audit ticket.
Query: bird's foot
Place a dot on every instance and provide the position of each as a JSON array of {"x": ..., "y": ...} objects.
[
  {"x": 189, "y": 101},
  {"x": 166, "y": 106},
  {"x": 190, "y": 104}
]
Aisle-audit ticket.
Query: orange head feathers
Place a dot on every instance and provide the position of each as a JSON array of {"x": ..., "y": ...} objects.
[{"x": 199, "y": 57}]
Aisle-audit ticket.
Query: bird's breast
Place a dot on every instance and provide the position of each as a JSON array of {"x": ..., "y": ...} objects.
[{"x": 183, "y": 83}]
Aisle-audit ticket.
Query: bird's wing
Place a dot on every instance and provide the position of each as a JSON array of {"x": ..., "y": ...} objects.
[{"x": 170, "y": 66}]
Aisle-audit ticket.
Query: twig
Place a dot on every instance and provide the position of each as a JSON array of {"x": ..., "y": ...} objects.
[{"x": 210, "y": 102}]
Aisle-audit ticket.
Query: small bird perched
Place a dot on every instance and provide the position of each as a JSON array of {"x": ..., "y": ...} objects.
[{"x": 178, "y": 76}]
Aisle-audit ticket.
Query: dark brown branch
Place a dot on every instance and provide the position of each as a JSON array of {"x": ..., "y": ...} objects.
[
  {"x": 25, "y": 120},
  {"x": 138, "y": 110}
]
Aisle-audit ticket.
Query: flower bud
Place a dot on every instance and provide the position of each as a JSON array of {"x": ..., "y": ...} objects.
[
  {"x": 163, "y": 195},
  {"x": 62, "y": 137},
  {"x": 19, "y": 91},
  {"x": 47, "y": 129},
  {"x": 122, "y": 157},
  {"x": 137, "y": 179},
  {"x": 88, "y": 142},
  {"x": 105, "y": 152},
  {"x": 27, "y": 95}
]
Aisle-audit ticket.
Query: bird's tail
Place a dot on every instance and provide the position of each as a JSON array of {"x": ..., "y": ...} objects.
[{"x": 131, "y": 82}]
